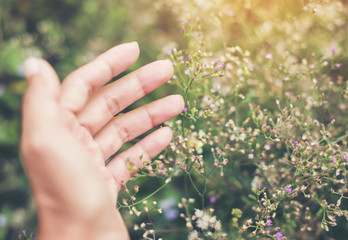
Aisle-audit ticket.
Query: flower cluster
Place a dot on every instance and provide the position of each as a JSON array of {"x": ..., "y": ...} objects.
[
  {"x": 263, "y": 135},
  {"x": 202, "y": 224}
]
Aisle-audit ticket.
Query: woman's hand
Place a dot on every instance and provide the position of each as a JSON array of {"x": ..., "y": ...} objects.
[{"x": 69, "y": 131}]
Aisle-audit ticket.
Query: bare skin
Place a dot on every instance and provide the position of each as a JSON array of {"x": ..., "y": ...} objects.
[{"x": 69, "y": 130}]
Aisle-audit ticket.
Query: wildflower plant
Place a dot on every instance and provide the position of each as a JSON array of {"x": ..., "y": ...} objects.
[
  {"x": 26, "y": 236},
  {"x": 261, "y": 146}
]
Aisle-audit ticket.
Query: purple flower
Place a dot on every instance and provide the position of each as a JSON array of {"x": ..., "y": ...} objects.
[
  {"x": 269, "y": 223},
  {"x": 32, "y": 235},
  {"x": 288, "y": 190},
  {"x": 169, "y": 51},
  {"x": 269, "y": 56},
  {"x": 171, "y": 214},
  {"x": 333, "y": 51},
  {"x": 24, "y": 232},
  {"x": 185, "y": 110},
  {"x": 295, "y": 142},
  {"x": 212, "y": 200},
  {"x": 345, "y": 156},
  {"x": 334, "y": 159},
  {"x": 338, "y": 65},
  {"x": 279, "y": 235}
]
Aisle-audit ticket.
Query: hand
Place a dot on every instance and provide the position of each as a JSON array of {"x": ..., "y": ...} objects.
[{"x": 69, "y": 131}]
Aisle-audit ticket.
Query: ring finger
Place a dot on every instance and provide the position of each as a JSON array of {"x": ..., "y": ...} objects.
[{"x": 126, "y": 127}]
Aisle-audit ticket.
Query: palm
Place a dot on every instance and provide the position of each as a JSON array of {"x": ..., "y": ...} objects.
[{"x": 91, "y": 112}]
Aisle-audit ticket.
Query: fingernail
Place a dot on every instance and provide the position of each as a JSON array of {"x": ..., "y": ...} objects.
[
  {"x": 135, "y": 42},
  {"x": 31, "y": 67}
]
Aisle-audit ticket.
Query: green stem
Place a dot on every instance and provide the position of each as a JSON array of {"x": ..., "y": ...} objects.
[
  {"x": 193, "y": 184},
  {"x": 340, "y": 138},
  {"x": 263, "y": 175},
  {"x": 153, "y": 226},
  {"x": 185, "y": 100},
  {"x": 147, "y": 197},
  {"x": 211, "y": 171},
  {"x": 204, "y": 191}
]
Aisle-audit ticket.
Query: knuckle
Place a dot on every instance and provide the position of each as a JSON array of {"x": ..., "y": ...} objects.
[{"x": 112, "y": 104}]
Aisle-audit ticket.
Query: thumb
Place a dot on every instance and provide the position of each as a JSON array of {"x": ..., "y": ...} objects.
[{"x": 40, "y": 103}]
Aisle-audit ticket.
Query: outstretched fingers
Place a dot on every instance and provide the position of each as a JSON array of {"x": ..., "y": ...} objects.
[
  {"x": 113, "y": 98},
  {"x": 127, "y": 163},
  {"x": 126, "y": 127},
  {"x": 82, "y": 83}
]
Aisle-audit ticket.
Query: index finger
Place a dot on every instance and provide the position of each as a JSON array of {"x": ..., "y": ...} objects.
[{"x": 79, "y": 85}]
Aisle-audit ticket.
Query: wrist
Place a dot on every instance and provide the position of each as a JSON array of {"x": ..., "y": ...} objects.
[{"x": 107, "y": 226}]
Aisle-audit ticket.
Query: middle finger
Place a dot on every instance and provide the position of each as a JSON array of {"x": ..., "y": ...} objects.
[{"x": 115, "y": 97}]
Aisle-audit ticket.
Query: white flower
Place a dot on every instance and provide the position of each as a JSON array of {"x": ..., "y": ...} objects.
[
  {"x": 206, "y": 218},
  {"x": 212, "y": 221},
  {"x": 193, "y": 235},
  {"x": 199, "y": 213},
  {"x": 256, "y": 180},
  {"x": 218, "y": 226},
  {"x": 202, "y": 224}
]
